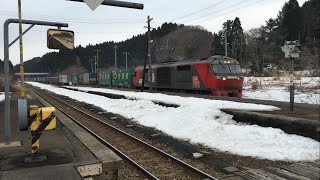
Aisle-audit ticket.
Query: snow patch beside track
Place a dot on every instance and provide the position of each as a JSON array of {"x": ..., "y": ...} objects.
[{"x": 202, "y": 122}]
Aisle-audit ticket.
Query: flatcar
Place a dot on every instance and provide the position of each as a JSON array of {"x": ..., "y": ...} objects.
[{"x": 217, "y": 75}]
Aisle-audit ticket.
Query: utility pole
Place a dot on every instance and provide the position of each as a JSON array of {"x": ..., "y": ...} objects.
[
  {"x": 91, "y": 65},
  {"x": 97, "y": 71},
  {"x": 126, "y": 53},
  {"x": 149, "y": 52},
  {"x": 226, "y": 43},
  {"x": 95, "y": 64},
  {"x": 241, "y": 64},
  {"x": 115, "y": 56}
]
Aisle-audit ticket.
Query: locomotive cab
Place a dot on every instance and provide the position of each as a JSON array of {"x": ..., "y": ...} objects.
[
  {"x": 227, "y": 69},
  {"x": 228, "y": 77}
]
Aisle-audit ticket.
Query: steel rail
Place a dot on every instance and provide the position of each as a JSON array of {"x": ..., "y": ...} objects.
[
  {"x": 140, "y": 141},
  {"x": 145, "y": 172}
]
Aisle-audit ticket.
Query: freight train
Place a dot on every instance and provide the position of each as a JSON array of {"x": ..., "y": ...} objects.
[{"x": 217, "y": 75}]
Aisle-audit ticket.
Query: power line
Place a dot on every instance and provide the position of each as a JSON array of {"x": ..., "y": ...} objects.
[
  {"x": 92, "y": 32},
  {"x": 77, "y": 20},
  {"x": 216, "y": 11},
  {"x": 229, "y": 11},
  {"x": 200, "y": 10}
]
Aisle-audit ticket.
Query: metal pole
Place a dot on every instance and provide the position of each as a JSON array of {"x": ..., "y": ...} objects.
[
  {"x": 97, "y": 75},
  {"x": 95, "y": 64},
  {"x": 91, "y": 65},
  {"x": 118, "y": 4},
  {"x": 115, "y": 56},
  {"x": 6, "y": 82},
  {"x": 149, "y": 53},
  {"x": 291, "y": 86},
  {"x": 144, "y": 67},
  {"x": 21, "y": 50},
  {"x": 23, "y": 33},
  {"x": 6, "y": 66},
  {"x": 126, "y": 53}
]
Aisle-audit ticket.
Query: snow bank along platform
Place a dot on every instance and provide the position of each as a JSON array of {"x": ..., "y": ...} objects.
[
  {"x": 72, "y": 153},
  {"x": 304, "y": 121}
]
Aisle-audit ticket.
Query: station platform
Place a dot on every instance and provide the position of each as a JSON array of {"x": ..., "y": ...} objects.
[{"x": 72, "y": 153}]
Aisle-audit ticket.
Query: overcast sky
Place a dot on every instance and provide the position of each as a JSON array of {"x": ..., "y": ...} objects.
[{"x": 108, "y": 23}]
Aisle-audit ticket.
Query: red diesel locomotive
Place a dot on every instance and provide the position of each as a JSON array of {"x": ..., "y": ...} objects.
[{"x": 218, "y": 75}]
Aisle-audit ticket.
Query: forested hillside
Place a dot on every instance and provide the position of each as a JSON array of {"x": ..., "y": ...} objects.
[
  {"x": 255, "y": 49},
  {"x": 261, "y": 46},
  {"x": 80, "y": 56}
]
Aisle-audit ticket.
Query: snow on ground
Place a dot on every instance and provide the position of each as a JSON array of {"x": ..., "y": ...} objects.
[
  {"x": 202, "y": 122},
  {"x": 1, "y": 96},
  {"x": 307, "y": 89}
]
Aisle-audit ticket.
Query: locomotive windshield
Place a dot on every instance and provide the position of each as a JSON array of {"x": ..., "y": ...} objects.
[{"x": 226, "y": 69}]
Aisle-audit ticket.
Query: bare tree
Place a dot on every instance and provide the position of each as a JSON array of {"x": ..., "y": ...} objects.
[{"x": 190, "y": 42}]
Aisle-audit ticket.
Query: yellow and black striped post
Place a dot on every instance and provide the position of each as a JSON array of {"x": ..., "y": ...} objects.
[
  {"x": 40, "y": 119},
  {"x": 21, "y": 50}
]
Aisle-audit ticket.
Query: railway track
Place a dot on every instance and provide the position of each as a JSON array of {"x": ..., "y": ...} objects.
[{"x": 152, "y": 162}]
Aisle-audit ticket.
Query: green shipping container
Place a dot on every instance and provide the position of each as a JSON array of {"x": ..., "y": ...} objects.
[
  {"x": 86, "y": 78},
  {"x": 69, "y": 79},
  {"x": 122, "y": 78},
  {"x": 75, "y": 79},
  {"x": 105, "y": 78}
]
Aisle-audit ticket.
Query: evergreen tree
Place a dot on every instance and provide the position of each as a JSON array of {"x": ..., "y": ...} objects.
[
  {"x": 290, "y": 20},
  {"x": 237, "y": 39},
  {"x": 217, "y": 44}
]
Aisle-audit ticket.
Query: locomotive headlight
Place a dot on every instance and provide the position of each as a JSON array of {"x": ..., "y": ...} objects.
[{"x": 224, "y": 78}]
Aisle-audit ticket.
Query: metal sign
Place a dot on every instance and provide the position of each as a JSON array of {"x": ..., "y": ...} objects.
[
  {"x": 291, "y": 49},
  {"x": 93, "y": 4}
]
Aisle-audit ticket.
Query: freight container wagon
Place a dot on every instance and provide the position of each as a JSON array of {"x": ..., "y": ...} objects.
[
  {"x": 105, "y": 78},
  {"x": 69, "y": 81},
  {"x": 81, "y": 79},
  {"x": 86, "y": 78},
  {"x": 75, "y": 79},
  {"x": 93, "y": 79},
  {"x": 53, "y": 80},
  {"x": 41, "y": 79},
  {"x": 63, "y": 79},
  {"x": 123, "y": 78}
]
